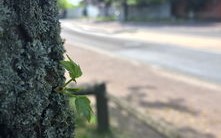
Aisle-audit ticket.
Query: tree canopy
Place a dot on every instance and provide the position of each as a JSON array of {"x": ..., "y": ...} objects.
[{"x": 64, "y": 4}]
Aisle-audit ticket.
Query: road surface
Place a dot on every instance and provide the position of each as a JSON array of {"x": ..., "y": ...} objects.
[{"x": 191, "y": 62}]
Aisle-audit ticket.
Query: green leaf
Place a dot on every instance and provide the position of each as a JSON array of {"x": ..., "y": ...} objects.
[
  {"x": 73, "y": 90},
  {"x": 59, "y": 89},
  {"x": 83, "y": 107},
  {"x": 70, "y": 59},
  {"x": 68, "y": 94},
  {"x": 73, "y": 68}
]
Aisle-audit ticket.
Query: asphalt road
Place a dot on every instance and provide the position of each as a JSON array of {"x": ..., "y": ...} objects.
[
  {"x": 200, "y": 64},
  {"x": 203, "y": 29}
]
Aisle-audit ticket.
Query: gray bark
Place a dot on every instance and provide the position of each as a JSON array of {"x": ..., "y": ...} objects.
[{"x": 30, "y": 51}]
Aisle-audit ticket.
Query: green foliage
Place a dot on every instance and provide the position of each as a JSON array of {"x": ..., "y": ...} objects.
[
  {"x": 81, "y": 103},
  {"x": 83, "y": 107},
  {"x": 64, "y": 4},
  {"x": 73, "y": 69},
  {"x": 144, "y": 2}
]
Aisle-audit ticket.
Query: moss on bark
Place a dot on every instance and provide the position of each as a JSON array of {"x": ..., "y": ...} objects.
[{"x": 30, "y": 51}]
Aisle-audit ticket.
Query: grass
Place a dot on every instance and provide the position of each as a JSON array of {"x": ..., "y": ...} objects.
[
  {"x": 99, "y": 18},
  {"x": 85, "y": 129},
  {"x": 105, "y": 19},
  {"x": 89, "y": 131}
]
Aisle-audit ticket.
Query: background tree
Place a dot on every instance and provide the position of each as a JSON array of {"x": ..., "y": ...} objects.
[
  {"x": 183, "y": 8},
  {"x": 196, "y": 5},
  {"x": 64, "y": 4},
  {"x": 30, "y": 51},
  {"x": 124, "y": 4}
]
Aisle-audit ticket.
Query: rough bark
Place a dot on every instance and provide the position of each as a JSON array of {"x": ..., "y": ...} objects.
[{"x": 30, "y": 51}]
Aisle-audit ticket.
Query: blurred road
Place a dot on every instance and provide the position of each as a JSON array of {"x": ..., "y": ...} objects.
[{"x": 199, "y": 63}]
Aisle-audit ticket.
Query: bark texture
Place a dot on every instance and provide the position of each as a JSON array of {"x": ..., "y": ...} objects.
[{"x": 30, "y": 51}]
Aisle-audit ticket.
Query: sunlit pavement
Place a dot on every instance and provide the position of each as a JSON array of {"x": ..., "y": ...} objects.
[
  {"x": 205, "y": 37},
  {"x": 189, "y": 104}
]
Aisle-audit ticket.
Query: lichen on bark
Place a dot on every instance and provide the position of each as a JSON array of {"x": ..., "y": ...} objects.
[{"x": 30, "y": 51}]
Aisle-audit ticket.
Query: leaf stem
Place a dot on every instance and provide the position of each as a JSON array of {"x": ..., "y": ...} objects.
[
  {"x": 67, "y": 83},
  {"x": 69, "y": 94}
]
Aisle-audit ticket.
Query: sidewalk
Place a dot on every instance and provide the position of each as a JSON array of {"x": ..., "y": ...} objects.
[
  {"x": 194, "y": 110},
  {"x": 173, "y": 35}
]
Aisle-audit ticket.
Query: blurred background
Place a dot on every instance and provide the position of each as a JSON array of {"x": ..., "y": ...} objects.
[{"x": 159, "y": 59}]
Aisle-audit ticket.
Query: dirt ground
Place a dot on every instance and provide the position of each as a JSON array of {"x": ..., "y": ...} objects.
[{"x": 128, "y": 124}]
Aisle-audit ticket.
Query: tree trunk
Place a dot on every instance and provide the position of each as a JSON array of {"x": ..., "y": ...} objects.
[
  {"x": 125, "y": 10},
  {"x": 107, "y": 9},
  {"x": 30, "y": 51}
]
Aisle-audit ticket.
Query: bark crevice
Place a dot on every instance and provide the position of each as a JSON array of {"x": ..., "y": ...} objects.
[{"x": 30, "y": 52}]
